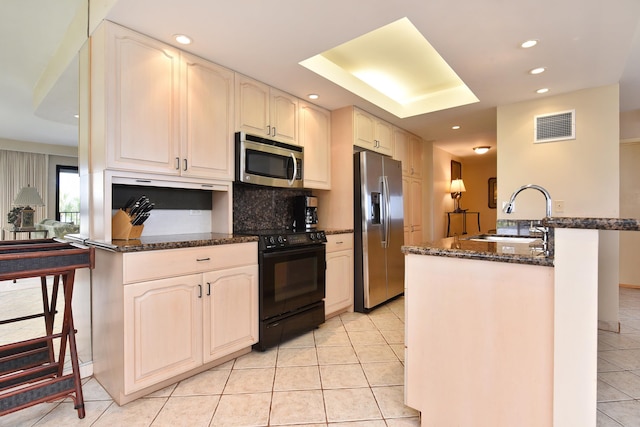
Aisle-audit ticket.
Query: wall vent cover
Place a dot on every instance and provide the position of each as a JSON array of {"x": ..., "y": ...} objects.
[{"x": 555, "y": 126}]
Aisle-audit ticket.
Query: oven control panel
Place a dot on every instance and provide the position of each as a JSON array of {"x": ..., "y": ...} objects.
[{"x": 289, "y": 240}]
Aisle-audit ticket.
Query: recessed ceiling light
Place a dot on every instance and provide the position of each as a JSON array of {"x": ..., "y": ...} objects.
[
  {"x": 182, "y": 39},
  {"x": 456, "y": 127},
  {"x": 529, "y": 43},
  {"x": 543, "y": 90},
  {"x": 538, "y": 70},
  {"x": 314, "y": 96},
  {"x": 481, "y": 150}
]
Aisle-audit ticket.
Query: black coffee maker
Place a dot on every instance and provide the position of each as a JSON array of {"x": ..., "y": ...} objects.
[{"x": 305, "y": 212}]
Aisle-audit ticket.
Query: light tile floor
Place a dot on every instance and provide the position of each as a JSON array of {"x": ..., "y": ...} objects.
[
  {"x": 619, "y": 367},
  {"x": 348, "y": 372}
]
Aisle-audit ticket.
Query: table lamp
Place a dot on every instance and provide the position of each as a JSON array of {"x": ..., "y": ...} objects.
[
  {"x": 27, "y": 197},
  {"x": 457, "y": 187}
]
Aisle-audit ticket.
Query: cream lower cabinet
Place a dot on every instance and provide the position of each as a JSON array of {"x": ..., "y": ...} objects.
[
  {"x": 339, "y": 275},
  {"x": 161, "y": 316}
]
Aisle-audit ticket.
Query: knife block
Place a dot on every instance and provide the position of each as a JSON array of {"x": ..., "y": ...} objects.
[{"x": 122, "y": 229}]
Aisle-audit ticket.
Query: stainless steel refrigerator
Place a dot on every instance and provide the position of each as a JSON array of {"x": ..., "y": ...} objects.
[{"x": 378, "y": 230}]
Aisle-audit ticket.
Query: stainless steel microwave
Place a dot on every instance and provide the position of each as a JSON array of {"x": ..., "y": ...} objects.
[{"x": 263, "y": 161}]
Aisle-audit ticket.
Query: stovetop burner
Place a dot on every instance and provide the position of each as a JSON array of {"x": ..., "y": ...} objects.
[{"x": 286, "y": 238}]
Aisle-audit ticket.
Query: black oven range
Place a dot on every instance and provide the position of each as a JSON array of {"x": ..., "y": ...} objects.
[{"x": 292, "y": 267}]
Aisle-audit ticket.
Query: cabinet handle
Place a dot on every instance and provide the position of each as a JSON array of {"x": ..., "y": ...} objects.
[
  {"x": 199, "y": 291},
  {"x": 203, "y": 259},
  {"x": 177, "y": 163},
  {"x": 274, "y": 131},
  {"x": 185, "y": 164},
  {"x": 143, "y": 180},
  {"x": 339, "y": 243},
  {"x": 268, "y": 129},
  {"x": 208, "y": 288}
]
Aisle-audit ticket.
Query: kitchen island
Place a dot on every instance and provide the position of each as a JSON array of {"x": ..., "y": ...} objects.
[{"x": 498, "y": 339}]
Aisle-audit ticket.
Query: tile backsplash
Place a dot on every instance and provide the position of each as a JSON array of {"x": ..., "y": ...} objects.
[{"x": 262, "y": 208}]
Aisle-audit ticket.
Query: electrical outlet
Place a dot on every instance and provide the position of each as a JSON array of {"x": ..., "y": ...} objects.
[{"x": 558, "y": 206}]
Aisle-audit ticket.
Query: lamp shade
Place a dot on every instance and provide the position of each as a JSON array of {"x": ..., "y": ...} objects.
[
  {"x": 457, "y": 186},
  {"x": 28, "y": 196}
]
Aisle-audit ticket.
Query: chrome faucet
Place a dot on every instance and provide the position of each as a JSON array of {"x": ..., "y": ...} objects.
[
  {"x": 508, "y": 208},
  {"x": 537, "y": 228}
]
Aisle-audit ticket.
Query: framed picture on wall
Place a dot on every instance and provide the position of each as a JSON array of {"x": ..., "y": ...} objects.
[
  {"x": 456, "y": 170},
  {"x": 493, "y": 193}
]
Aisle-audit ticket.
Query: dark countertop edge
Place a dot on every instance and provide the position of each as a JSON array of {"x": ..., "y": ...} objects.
[
  {"x": 152, "y": 243},
  {"x": 329, "y": 231},
  {"x": 482, "y": 256},
  {"x": 621, "y": 224}
]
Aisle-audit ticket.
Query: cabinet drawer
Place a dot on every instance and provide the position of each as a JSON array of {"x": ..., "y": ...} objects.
[
  {"x": 141, "y": 266},
  {"x": 338, "y": 242}
]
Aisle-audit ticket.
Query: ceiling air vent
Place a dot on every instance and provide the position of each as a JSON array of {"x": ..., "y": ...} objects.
[{"x": 555, "y": 126}]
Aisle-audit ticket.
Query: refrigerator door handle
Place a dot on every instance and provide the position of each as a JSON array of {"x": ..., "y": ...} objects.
[{"x": 386, "y": 202}]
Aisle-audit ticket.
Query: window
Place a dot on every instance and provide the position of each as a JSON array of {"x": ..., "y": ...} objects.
[{"x": 67, "y": 194}]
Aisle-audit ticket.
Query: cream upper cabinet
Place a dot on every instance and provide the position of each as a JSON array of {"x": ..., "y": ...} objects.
[
  {"x": 230, "y": 311},
  {"x": 372, "y": 133},
  {"x": 315, "y": 137},
  {"x": 207, "y": 119},
  {"x": 265, "y": 111},
  {"x": 159, "y": 110},
  {"x": 339, "y": 275},
  {"x": 408, "y": 148},
  {"x": 412, "y": 200}
]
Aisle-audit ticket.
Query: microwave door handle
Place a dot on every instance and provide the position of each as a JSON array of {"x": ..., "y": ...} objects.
[{"x": 295, "y": 170}]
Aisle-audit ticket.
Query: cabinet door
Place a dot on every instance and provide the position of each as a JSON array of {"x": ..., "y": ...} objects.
[
  {"x": 416, "y": 211},
  {"x": 339, "y": 282},
  {"x": 207, "y": 118},
  {"x": 412, "y": 200},
  {"x": 230, "y": 311},
  {"x": 402, "y": 150},
  {"x": 142, "y": 102},
  {"x": 252, "y": 106},
  {"x": 315, "y": 137},
  {"x": 364, "y": 128},
  {"x": 417, "y": 156},
  {"x": 162, "y": 330},
  {"x": 284, "y": 117},
  {"x": 384, "y": 138}
]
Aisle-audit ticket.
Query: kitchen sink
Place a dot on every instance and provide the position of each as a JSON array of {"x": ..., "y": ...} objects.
[{"x": 503, "y": 239}]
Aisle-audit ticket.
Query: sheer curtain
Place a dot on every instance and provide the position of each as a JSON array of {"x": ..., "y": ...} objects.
[{"x": 19, "y": 169}]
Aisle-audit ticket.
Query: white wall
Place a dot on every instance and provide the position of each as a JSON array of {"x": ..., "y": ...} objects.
[
  {"x": 630, "y": 208},
  {"x": 584, "y": 172}
]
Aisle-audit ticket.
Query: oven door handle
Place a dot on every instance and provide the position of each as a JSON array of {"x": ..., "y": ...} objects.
[{"x": 295, "y": 170}]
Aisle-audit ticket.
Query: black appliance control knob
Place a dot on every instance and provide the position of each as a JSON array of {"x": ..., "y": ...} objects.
[
  {"x": 271, "y": 240},
  {"x": 312, "y": 236},
  {"x": 280, "y": 239}
]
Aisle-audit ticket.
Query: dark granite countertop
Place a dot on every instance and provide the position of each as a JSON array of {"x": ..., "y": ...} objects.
[
  {"x": 621, "y": 224},
  {"x": 329, "y": 231},
  {"x": 517, "y": 253},
  {"x": 174, "y": 241}
]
